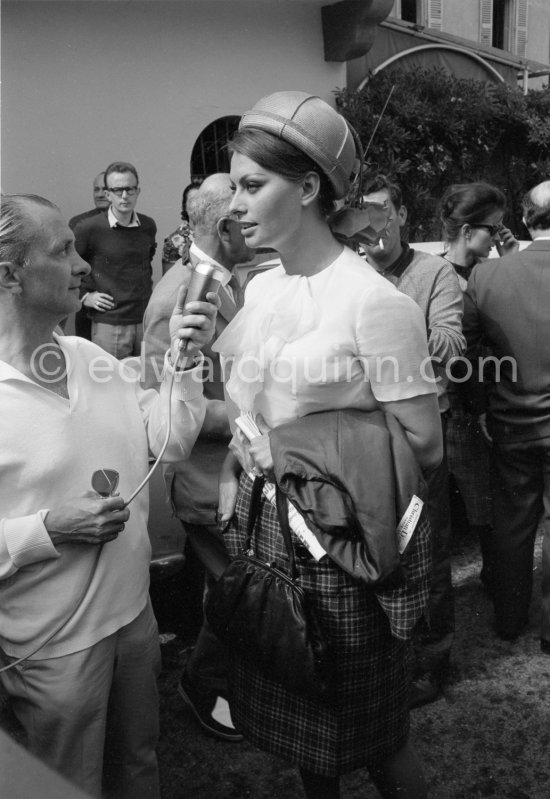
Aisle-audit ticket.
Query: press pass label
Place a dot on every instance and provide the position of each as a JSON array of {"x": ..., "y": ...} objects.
[{"x": 407, "y": 525}]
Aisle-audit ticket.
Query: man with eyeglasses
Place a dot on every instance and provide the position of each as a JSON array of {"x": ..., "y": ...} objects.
[
  {"x": 119, "y": 246},
  {"x": 433, "y": 285}
]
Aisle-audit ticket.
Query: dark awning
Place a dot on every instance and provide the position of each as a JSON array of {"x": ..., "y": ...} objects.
[{"x": 408, "y": 52}]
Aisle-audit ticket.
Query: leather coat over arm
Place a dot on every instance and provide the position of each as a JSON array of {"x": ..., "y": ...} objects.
[{"x": 352, "y": 475}]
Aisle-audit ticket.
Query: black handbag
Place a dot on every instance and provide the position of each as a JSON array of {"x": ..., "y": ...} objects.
[{"x": 261, "y": 613}]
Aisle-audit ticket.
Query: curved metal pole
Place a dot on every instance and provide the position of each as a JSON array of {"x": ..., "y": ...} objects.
[{"x": 422, "y": 47}]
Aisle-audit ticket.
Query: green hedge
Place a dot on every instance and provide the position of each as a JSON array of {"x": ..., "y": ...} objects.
[{"x": 438, "y": 130}]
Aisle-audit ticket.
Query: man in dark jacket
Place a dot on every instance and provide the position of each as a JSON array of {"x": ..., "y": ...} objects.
[
  {"x": 82, "y": 322},
  {"x": 506, "y": 306},
  {"x": 119, "y": 246},
  {"x": 101, "y": 203}
]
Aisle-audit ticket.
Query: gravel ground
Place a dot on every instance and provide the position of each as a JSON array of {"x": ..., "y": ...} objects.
[{"x": 488, "y": 736}]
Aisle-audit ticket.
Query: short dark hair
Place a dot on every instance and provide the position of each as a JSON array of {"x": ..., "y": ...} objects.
[
  {"x": 283, "y": 158},
  {"x": 379, "y": 183},
  {"x": 120, "y": 166},
  {"x": 536, "y": 216},
  {"x": 468, "y": 203},
  {"x": 17, "y": 229},
  {"x": 195, "y": 183}
]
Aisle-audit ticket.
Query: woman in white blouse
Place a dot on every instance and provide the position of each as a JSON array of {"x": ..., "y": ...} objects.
[{"x": 321, "y": 331}]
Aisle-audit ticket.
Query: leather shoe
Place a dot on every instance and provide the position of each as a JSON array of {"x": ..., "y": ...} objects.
[
  {"x": 211, "y": 711},
  {"x": 424, "y": 689},
  {"x": 545, "y": 646}
]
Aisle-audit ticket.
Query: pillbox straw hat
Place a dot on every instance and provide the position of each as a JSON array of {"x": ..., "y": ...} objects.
[{"x": 312, "y": 126}]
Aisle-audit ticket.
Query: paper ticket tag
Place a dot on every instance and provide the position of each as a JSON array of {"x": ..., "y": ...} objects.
[
  {"x": 247, "y": 424},
  {"x": 296, "y": 522},
  {"x": 407, "y": 525}
]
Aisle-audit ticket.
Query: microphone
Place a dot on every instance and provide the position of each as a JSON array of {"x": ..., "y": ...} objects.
[{"x": 204, "y": 279}]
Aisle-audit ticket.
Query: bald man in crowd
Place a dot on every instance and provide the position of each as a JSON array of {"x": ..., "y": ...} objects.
[
  {"x": 506, "y": 306},
  {"x": 193, "y": 486},
  {"x": 101, "y": 201},
  {"x": 82, "y": 322}
]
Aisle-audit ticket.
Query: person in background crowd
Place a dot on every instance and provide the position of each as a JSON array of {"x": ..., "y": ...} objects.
[
  {"x": 433, "y": 285},
  {"x": 119, "y": 246},
  {"x": 471, "y": 215},
  {"x": 82, "y": 322},
  {"x": 101, "y": 202},
  {"x": 193, "y": 484},
  {"x": 506, "y": 305},
  {"x": 176, "y": 245},
  {"x": 79, "y": 653},
  {"x": 291, "y": 159}
]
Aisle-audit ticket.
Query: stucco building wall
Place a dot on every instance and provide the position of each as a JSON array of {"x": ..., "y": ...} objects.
[{"x": 85, "y": 83}]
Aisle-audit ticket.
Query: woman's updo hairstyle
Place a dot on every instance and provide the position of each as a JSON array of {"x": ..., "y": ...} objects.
[
  {"x": 283, "y": 159},
  {"x": 468, "y": 203},
  {"x": 300, "y": 133}
]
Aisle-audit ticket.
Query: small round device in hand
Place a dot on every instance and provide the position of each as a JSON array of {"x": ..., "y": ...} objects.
[{"x": 105, "y": 482}]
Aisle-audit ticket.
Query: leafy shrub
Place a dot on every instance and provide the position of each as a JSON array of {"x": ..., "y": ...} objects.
[{"x": 438, "y": 129}]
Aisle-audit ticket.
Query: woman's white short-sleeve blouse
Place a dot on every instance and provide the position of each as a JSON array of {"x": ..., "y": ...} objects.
[{"x": 342, "y": 338}]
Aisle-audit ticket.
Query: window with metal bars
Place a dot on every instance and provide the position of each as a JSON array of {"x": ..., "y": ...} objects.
[{"x": 209, "y": 154}]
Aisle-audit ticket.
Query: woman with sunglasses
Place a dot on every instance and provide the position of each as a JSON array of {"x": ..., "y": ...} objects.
[
  {"x": 472, "y": 219},
  {"x": 320, "y": 308}
]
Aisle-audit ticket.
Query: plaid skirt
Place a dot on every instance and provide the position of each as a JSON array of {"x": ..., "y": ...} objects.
[
  {"x": 468, "y": 460},
  {"x": 367, "y": 719}
]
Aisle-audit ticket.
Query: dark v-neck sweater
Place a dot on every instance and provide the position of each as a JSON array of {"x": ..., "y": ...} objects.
[{"x": 120, "y": 260}]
